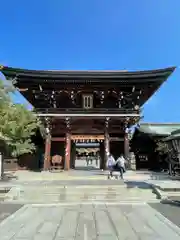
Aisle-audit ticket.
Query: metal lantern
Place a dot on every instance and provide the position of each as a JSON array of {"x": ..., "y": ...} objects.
[
  {"x": 136, "y": 107},
  {"x": 176, "y": 144},
  {"x": 173, "y": 143}
]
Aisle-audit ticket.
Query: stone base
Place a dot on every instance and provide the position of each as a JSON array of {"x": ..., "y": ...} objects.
[{"x": 132, "y": 162}]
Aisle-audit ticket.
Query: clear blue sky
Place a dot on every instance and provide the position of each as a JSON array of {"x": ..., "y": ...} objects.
[{"x": 97, "y": 34}]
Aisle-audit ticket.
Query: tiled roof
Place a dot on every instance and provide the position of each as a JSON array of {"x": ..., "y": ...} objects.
[
  {"x": 151, "y": 75},
  {"x": 159, "y": 129},
  {"x": 174, "y": 135}
]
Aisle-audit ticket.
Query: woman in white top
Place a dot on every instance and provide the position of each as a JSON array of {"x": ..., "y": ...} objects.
[{"x": 111, "y": 163}]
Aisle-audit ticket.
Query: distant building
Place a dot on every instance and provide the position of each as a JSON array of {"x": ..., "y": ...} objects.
[{"x": 144, "y": 143}]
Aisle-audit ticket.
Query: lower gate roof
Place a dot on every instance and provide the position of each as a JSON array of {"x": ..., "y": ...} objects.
[{"x": 159, "y": 129}]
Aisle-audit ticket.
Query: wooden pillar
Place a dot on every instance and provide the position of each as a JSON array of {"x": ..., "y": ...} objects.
[
  {"x": 126, "y": 144},
  {"x": 47, "y": 154},
  {"x": 73, "y": 155},
  {"x": 67, "y": 146},
  {"x": 67, "y": 151},
  {"x": 106, "y": 143}
]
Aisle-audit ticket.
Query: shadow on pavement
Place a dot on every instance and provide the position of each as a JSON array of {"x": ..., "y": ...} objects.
[
  {"x": 169, "y": 210},
  {"x": 84, "y": 168},
  {"x": 137, "y": 184},
  {"x": 7, "y": 209},
  {"x": 171, "y": 201}
]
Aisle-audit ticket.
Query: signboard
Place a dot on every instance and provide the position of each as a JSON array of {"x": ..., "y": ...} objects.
[
  {"x": 143, "y": 158},
  {"x": 87, "y": 137}
]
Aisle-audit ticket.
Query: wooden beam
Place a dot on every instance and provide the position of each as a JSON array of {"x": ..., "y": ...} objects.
[
  {"x": 22, "y": 89},
  {"x": 58, "y": 139},
  {"x": 85, "y": 137}
]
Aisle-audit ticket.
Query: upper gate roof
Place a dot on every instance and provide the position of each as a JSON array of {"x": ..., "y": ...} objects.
[
  {"x": 159, "y": 75},
  {"x": 37, "y": 86}
]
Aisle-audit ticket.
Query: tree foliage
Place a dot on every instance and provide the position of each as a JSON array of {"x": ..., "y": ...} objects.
[
  {"x": 17, "y": 124},
  {"x": 171, "y": 155},
  {"x": 162, "y": 147}
]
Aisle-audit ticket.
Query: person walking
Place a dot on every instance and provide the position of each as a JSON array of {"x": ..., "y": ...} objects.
[
  {"x": 120, "y": 165},
  {"x": 110, "y": 165}
]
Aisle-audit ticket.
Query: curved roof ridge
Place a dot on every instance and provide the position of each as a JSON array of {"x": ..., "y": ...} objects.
[
  {"x": 160, "y": 70},
  {"x": 158, "y": 75},
  {"x": 158, "y": 124}
]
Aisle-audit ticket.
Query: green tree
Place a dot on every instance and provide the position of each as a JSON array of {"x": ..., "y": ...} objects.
[
  {"x": 5, "y": 90},
  {"x": 171, "y": 156},
  {"x": 162, "y": 147},
  {"x": 17, "y": 124}
]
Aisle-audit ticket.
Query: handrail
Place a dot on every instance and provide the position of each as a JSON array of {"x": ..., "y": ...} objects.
[{"x": 81, "y": 110}]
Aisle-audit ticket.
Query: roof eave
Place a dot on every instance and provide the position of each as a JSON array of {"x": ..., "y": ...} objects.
[{"x": 12, "y": 72}]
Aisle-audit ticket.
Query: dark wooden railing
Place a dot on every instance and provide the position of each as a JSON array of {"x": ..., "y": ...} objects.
[{"x": 90, "y": 111}]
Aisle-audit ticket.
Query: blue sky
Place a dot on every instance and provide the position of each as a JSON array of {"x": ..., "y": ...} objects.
[{"x": 97, "y": 34}]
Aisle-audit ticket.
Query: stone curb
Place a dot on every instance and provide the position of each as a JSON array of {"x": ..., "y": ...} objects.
[
  {"x": 170, "y": 189},
  {"x": 158, "y": 192},
  {"x": 169, "y": 201},
  {"x": 164, "y": 190},
  {"x": 4, "y": 189}
]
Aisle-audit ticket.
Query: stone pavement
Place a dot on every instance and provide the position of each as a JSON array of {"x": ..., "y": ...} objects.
[
  {"x": 91, "y": 174},
  {"x": 83, "y": 172},
  {"x": 84, "y": 205},
  {"x": 88, "y": 222},
  {"x": 40, "y": 193},
  {"x": 169, "y": 210},
  {"x": 8, "y": 209}
]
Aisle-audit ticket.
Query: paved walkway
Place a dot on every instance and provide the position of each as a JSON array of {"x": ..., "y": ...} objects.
[
  {"x": 91, "y": 222},
  {"x": 83, "y": 172},
  {"x": 81, "y": 193},
  {"x": 91, "y": 174},
  {"x": 66, "y": 206},
  {"x": 8, "y": 209}
]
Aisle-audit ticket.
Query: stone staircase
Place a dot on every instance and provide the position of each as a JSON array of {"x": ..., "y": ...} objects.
[
  {"x": 79, "y": 194},
  {"x": 3, "y": 192},
  {"x": 166, "y": 189}
]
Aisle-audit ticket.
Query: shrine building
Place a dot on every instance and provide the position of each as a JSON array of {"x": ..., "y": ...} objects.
[{"x": 86, "y": 106}]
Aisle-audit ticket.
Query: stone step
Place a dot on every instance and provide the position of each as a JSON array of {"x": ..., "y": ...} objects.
[
  {"x": 79, "y": 194},
  {"x": 60, "y": 198},
  {"x": 70, "y": 182},
  {"x": 52, "y": 186},
  {"x": 172, "y": 193},
  {"x": 111, "y": 190},
  {"x": 118, "y": 201},
  {"x": 69, "y": 195},
  {"x": 88, "y": 195},
  {"x": 81, "y": 189}
]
